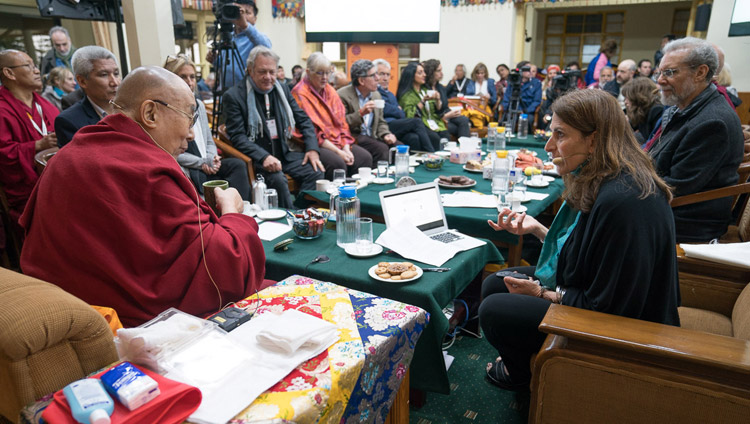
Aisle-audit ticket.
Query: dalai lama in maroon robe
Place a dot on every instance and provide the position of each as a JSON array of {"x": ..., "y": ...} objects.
[
  {"x": 114, "y": 221},
  {"x": 26, "y": 127}
]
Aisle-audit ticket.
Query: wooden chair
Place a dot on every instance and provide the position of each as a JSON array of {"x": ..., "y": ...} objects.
[
  {"x": 595, "y": 368},
  {"x": 225, "y": 145}
]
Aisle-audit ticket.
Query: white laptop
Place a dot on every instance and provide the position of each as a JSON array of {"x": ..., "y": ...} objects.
[{"x": 421, "y": 205}]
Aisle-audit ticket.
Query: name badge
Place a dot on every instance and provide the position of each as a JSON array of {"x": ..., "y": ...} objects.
[
  {"x": 432, "y": 124},
  {"x": 272, "y": 131}
]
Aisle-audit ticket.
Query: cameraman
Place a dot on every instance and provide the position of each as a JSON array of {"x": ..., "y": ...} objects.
[
  {"x": 566, "y": 81},
  {"x": 531, "y": 92},
  {"x": 245, "y": 37}
]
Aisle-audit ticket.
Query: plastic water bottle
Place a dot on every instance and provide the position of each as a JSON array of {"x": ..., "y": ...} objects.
[
  {"x": 500, "y": 173},
  {"x": 492, "y": 137},
  {"x": 500, "y": 139},
  {"x": 523, "y": 126},
  {"x": 401, "y": 162},
  {"x": 346, "y": 206},
  {"x": 259, "y": 189}
]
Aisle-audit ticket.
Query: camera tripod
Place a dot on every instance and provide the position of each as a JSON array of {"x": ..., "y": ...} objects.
[
  {"x": 514, "y": 110},
  {"x": 226, "y": 58}
]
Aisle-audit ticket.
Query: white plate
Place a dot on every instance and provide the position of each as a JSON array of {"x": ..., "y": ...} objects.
[
  {"x": 476, "y": 171},
  {"x": 520, "y": 209},
  {"x": 444, "y": 185},
  {"x": 271, "y": 214},
  {"x": 443, "y": 153},
  {"x": 367, "y": 178},
  {"x": 548, "y": 178},
  {"x": 542, "y": 184},
  {"x": 375, "y": 250},
  {"x": 383, "y": 180},
  {"x": 371, "y": 271},
  {"x": 515, "y": 152}
]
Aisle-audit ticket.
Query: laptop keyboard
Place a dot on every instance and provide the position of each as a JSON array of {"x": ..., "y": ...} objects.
[{"x": 446, "y": 237}]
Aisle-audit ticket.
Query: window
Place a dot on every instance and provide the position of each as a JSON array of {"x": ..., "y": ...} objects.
[
  {"x": 680, "y": 21},
  {"x": 578, "y": 36}
]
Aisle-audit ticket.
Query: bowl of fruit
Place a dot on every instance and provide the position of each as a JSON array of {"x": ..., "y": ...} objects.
[{"x": 307, "y": 223}]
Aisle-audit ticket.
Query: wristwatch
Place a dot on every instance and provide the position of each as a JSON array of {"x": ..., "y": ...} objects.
[{"x": 560, "y": 294}]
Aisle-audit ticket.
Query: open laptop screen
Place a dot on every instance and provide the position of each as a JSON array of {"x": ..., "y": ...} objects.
[{"x": 419, "y": 204}]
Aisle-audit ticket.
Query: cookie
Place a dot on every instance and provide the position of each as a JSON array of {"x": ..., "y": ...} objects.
[
  {"x": 384, "y": 275},
  {"x": 396, "y": 268},
  {"x": 380, "y": 270},
  {"x": 408, "y": 274},
  {"x": 383, "y": 264},
  {"x": 395, "y": 277},
  {"x": 412, "y": 268},
  {"x": 408, "y": 265}
]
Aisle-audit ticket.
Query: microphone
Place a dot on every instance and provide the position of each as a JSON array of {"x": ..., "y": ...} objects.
[{"x": 561, "y": 160}]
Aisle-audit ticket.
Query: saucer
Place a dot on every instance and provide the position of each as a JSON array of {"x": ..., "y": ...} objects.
[
  {"x": 375, "y": 250},
  {"x": 387, "y": 180},
  {"x": 520, "y": 209},
  {"x": 271, "y": 214},
  {"x": 531, "y": 183},
  {"x": 548, "y": 178}
]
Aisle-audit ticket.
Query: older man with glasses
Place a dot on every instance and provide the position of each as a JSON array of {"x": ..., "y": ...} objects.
[
  {"x": 698, "y": 145},
  {"x": 26, "y": 127},
  {"x": 128, "y": 229}
]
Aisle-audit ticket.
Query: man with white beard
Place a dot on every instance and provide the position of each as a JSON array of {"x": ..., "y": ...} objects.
[{"x": 699, "y": 144}]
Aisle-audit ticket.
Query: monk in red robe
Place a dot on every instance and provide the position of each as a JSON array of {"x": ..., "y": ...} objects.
[
  {"x": 114, "y": 221},
  {"x": 26, "y": 127}
]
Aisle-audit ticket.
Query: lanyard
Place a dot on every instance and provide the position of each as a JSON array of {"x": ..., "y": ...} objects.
[
  {"x": 268, "y": 106},
  {"x": 460, "y": 87},
  {"x": 421, "y": 99},
  {"x": 43, "y": 130}
]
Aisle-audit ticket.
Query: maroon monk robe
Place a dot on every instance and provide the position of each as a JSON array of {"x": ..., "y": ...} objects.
[
  {"x": 18, "y": 146},
  {"x": 114, "y": 221}
]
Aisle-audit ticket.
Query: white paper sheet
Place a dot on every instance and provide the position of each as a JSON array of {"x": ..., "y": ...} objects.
[
  {"x": 406, "y": 240},
  {"x": 268, "y": 230},
  {"x": 468, "y": 199},
  {"x": 737, "y": 254},
  {"x": 530, "y": 195}
]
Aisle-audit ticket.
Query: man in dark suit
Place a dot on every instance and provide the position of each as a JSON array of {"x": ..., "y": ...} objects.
[
  {"x": 97, "y": 73},
  {"x": 365, "y": 120},
  {"x": 266, "y": 127}
]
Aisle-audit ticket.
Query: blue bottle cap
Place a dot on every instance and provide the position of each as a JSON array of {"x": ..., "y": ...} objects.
[
  {"x": 347, "y": 192},
  {"x": 524, "y": 116},
  {"x": 402, "y": 148}
]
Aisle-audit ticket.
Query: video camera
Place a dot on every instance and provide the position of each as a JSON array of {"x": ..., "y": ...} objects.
[
  {"x": 225, "y": 11},
  {"x": 566, "y": 81},
  {"x": 515, "y": 76}
]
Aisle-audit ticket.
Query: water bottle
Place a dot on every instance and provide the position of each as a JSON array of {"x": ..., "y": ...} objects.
[
  {"x": 401, "y": 161},
  {"x": 523, "y": 126},
  {"x": 500, "y": 139},
  {"x": 492, "y": 137},
  {"x": 259, "y": 189},
  {"x": 346, "y": 207},
  {"x": 500, "y": 172}
]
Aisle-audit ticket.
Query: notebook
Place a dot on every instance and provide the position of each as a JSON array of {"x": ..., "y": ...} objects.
[{"x": 421, "y": 205}]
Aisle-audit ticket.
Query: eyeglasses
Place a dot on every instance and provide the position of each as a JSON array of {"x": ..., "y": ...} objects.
[
  {"x": 323, "y": 73},
  {"x": 370, "y": 75},
  {"x": 669, "y": 72},
  {"x": 192, "y": 118}
]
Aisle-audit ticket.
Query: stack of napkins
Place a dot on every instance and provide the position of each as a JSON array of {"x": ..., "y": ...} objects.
[
  {"x": 294, "y": 332},
  {"x": 737, "y": 254}
]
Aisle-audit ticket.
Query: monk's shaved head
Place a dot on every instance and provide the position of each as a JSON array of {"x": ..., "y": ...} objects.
[
  {"x": 148, "y": 82},
  {"x": 9, "y": 58}
]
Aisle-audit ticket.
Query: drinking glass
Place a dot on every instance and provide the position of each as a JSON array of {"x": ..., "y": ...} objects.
[
  {"x": 382, "y": 169},
  {"x": 339, "y": 177},
  {"x": 364, "y": 236},
  {"x": 270, "y": 199},
  {"x": 536, "y": 178},
  {"x": 503, "y": 201},
  {"x": 519, "y": 195}
]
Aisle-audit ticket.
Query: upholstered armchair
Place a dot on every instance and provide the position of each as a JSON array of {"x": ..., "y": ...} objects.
[
  {"x": 600, "y": 368},
  {"x": 48, "y": 338}
]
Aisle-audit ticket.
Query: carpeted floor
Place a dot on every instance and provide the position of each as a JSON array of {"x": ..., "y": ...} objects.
[{"x": 472, "y": 399}]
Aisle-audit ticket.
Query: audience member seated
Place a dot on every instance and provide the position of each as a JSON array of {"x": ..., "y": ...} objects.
[
  {"x": 606, "y": 51},
  {"x": 21, "y": 137},
  {"x": 201, "y": 161},
  {"x": 610, "y": 248},
  {"x": 339, "y": 80},
  {"x": 322, "y": 104},
  {"x": 416, "y": 102},
  {"x": 645, "y": 68},
  {"x": 365, "y": 121},
  {"x": 642, "y": 107},
  {"x": 724, "y": 79},
  {"x": 409, "y": 131},
  {"x": 246, "y": 37},
  {"x": 625, "y": 72},
  {"x": 266, "y": 128},
  {"x": 659, "y": 53},
  {"x": 98, "y": 75},
  {"x": 547, "y": 95},
  {"x": 733, "y": 101},
  {"x": 699, "y": 144},
  {"x": 459, "y": 83},
  {"x": 531, "y": 95},
  {"x": 136, "y": 235},
  {"x": 605, "y": 75},
  {"x": 503, "y": 72},
  {"x": 206, "y": 86},
  {"x": 296, "y": 76},
  {"x": 61, "y": 53},
  {"x": 483, "y": 87},
  {"x": 457, "y": 124},
  {"x": 60, "y": 82},
  {"x": 281, "y": 76},
  {"x": 552, "y": 72}
]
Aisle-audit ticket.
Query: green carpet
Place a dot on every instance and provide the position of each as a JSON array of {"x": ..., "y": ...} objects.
[{"x": 472, "y": 398}]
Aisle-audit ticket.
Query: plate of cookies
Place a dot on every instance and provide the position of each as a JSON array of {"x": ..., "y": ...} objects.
[{"x": 395, "y": 272}]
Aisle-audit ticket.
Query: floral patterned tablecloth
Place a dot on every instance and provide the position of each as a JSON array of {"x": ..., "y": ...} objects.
[{"x": 356, "y": 380}]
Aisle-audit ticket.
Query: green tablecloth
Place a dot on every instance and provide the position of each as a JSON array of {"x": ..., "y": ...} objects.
[
  {"x": 471, "y": 221},
  {"x": 432, "y": 291}
]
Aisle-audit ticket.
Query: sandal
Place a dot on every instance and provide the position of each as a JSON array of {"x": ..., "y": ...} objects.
[{"x": 497, "y": 375}]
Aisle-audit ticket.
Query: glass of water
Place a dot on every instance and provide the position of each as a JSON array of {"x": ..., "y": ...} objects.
[
  {"x": 503, "y": 201},
  {"x": 382, "y": 169},
  {"x": 363, "y": 241},
  {"x": 339, "y": 177},
  {"x": 519, "y": 195},
  {"x": 271, "y": 199}
]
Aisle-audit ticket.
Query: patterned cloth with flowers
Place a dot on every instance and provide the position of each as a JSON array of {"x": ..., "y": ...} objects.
[{"x": 356, "y": 380}]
